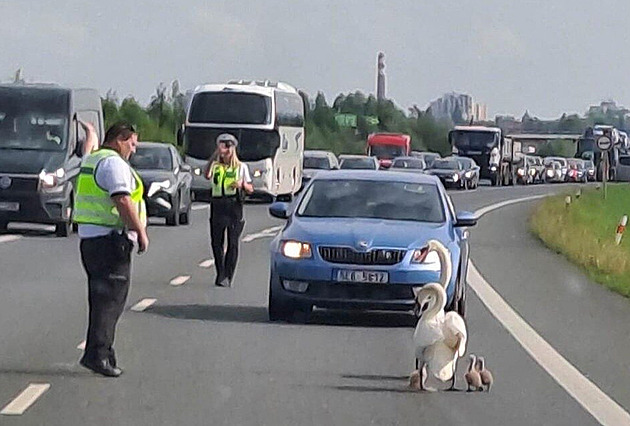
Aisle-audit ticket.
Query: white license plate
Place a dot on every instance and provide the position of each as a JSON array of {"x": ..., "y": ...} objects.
[
  {"x": 371, "y": 277},
  {"x": 9, "y": 207}
]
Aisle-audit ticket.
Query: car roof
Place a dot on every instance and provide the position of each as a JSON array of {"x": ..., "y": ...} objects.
[
  {"x": 317, "y": 153},
  {"x": 154, "y": 145},
  {"x": 354, "y": 156},
  {"x": 389, "y": 176}
]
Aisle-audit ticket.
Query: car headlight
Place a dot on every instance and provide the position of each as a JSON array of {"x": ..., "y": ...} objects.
[
  {"x": 49, "y": 180},
  {"x": 197, "y": 171},
  {"x": 532, "y": 172},
  {"x": 468, "y": 175},
  {"x": 455, "y": 177},
  {"x": 455, "y": 150},
  {"x": 521, "y": 172},
  {"x": 550, "y": 173},
  {"x": 493, "y": 168},
  {"x": 296, "y": 250},
  {"x": 258, "y": 173},
  {"x": 156, "y": 186}
]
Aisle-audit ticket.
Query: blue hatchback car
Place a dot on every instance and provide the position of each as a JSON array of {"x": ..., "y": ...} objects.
[{"x": 357, "y": 240}]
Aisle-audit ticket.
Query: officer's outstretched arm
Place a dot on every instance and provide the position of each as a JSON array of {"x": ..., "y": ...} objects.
[{"x": 91, "y": 141}]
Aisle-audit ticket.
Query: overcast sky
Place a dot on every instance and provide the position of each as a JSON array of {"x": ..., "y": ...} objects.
[{"x": 545, "y": 56}]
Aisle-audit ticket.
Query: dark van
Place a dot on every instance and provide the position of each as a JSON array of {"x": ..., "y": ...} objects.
[{"x": 41, "y": 145}]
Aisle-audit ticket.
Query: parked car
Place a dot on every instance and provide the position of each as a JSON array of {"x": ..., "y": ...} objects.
[
  {"x": 471, "y": 172},
  {"x": 564, "y": 165},
  {"x": 553, "y": 172},
  {"x": 376, "y": 255},
  {"x": 316, "y": 161},
  {"x": 450, "y": 171},
  {"x": 167, "y": 181},
  {"x": 428, "y": 157},
  {"x": 623, "y": 168},
  {"x": 540, "y": 169},
  {"x": 591, "y": 170},
  {"x": 358, "y": 162},
  {"x": 577, "y": 171},
  {"x": 409, "y": 164}
]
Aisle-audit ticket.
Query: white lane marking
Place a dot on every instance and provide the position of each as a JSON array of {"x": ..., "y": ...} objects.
[
  {"x": 200, "y": 206},
  {"x": 81, "y": 346},
  {"x": 585, "y": 392},
  {"x": 177, "y": 281},
  {"x": 207, "y": 263},
  {"x": 265, "y": 233},
  {"x": 9, "y": 238},
  {"x": 24, "y": 400},
  {"x": 143, "y": 304},
  {"x": 506, "y": 203}
]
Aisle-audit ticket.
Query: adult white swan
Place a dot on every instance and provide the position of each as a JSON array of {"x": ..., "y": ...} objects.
[
  {"x": 446, "y": 267},
  {"x": 439, "y": 338}
]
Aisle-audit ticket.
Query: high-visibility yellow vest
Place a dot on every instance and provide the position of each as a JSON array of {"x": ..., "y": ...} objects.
[
  {"x": 93, "y": 205},
  {"x": 223, "y": 177}
]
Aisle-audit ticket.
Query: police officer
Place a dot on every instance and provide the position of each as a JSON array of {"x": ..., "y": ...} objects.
[
  {"x": 111, "y": 214},
  {"x": 229, "y": 178}
]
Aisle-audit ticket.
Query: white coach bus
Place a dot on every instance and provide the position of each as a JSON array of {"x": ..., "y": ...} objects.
[{"x": 268, "y": 120}]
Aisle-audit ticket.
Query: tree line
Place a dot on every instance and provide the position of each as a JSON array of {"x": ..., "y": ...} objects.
[{"x": 344, "y": 125}]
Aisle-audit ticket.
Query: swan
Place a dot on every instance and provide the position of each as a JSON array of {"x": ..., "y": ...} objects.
[
  {"x": 446, "y": 267},
  {"x": 484, "y": 373},
  {"x": 472, "y": 376},
  {"x": 439, "y": 338}
]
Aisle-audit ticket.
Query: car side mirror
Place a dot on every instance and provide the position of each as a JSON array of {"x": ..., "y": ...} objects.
[
  {"x": 186, "y": 168},
  {"x": 465, "y": 218},
  {"x": 279, "y": 210}
]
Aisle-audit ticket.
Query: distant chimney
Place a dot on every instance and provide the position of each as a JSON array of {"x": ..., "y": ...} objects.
[{"x": 380, "y": 77}]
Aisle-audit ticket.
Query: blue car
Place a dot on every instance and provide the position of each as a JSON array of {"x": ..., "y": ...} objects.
[{"x": 357, "y": 240}]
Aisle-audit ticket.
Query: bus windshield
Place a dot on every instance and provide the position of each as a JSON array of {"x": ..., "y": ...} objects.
[
  {"x": 253, "y": 144},
  {"x": 34, "y": 119},
  {"x": 230, "y": 108},
  {"x": 477, "y": 141}
]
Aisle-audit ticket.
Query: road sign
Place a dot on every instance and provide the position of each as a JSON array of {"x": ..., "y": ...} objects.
[{"x": 604, "y": 143}]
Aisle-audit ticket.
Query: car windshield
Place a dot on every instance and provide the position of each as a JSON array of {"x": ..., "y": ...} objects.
[
  {"x": 230, "y": 108},
  {"x": 390, "y": 200},
  {"x": 387, "y": 151},
  {"x": 34, "y": 119},
  {"x": 358, "y": 163},
  {"x": 408, "y": 164},
  {"x": 152, "y": 158},
  {"x": 321, "y": 163},
  {"x": 446, "y": 165}
]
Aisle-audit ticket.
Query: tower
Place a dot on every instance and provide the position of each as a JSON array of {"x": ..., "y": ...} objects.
[{"x": 380, "y": 77}]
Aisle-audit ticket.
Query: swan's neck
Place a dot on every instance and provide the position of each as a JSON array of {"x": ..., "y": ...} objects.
[
  {"x": 471, "y": 367},
  {"x": 437, "y": 306},
  {"x": 446, "y": 268}
]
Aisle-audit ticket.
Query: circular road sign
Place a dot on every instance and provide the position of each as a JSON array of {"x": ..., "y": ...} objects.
[{"x": 604, "y": 143}]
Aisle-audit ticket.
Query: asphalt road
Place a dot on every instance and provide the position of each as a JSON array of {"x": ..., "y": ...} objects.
[{"x": 204, "y": 355}]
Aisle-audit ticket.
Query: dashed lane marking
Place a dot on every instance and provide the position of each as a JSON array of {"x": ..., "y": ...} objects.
[{"x": 25, "y": 399}]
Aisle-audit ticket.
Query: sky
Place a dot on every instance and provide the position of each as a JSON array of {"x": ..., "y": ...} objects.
[{"x": 547, "y": 57}]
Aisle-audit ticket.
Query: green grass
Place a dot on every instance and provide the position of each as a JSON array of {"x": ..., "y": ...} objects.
[{"x": 585, "y": 232}]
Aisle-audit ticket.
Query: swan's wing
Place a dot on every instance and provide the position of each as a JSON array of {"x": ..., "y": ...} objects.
[
  {"x": 440, "y": 359},
  {"x": 427, "y": 333},
  {"x": 454, "y": 328}
]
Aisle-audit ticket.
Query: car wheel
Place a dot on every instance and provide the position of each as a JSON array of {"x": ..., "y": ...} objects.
[
  {"x": 3, "y": 226},
  {"x": 173, "y": 217},
  {"x": 184, "y": 218},
  {"x": 63, "y": 229}
]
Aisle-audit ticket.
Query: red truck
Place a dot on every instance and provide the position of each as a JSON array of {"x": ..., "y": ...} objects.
[{"x": 387, "y": 146}]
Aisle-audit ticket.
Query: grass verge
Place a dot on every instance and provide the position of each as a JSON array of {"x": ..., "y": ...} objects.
[{"x": 585, "y": 232}]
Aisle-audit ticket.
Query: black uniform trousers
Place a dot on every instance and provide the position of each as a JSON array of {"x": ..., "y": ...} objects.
[
  {"x": 226, "y": 217},
  {"x": 107, "y": 262}
]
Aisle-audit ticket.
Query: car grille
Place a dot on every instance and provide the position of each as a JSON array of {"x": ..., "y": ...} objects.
[
  {"x": 349, "y": 256},
  {"x": 21, "y": 184}
]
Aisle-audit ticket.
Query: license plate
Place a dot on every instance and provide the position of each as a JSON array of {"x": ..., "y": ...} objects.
[
  {"x": 371, "y": 277},
  {"x": 9, "y": 207}
]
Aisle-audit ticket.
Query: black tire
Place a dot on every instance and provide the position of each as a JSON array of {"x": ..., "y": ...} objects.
[
  {"x": 173, "y": 217},
  {"x": 3, "y": 226},
  {"x": 278, "y": 310},
  {"x": 461, "y": 303},
  {"x": 63, "y": 229},
  {"x": 184, "y": 217}
]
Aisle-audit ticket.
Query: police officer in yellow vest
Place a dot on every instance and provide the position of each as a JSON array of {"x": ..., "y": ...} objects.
[
  {"x": 111, "y": 214},
  {"x": 229, "y": 178}
]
